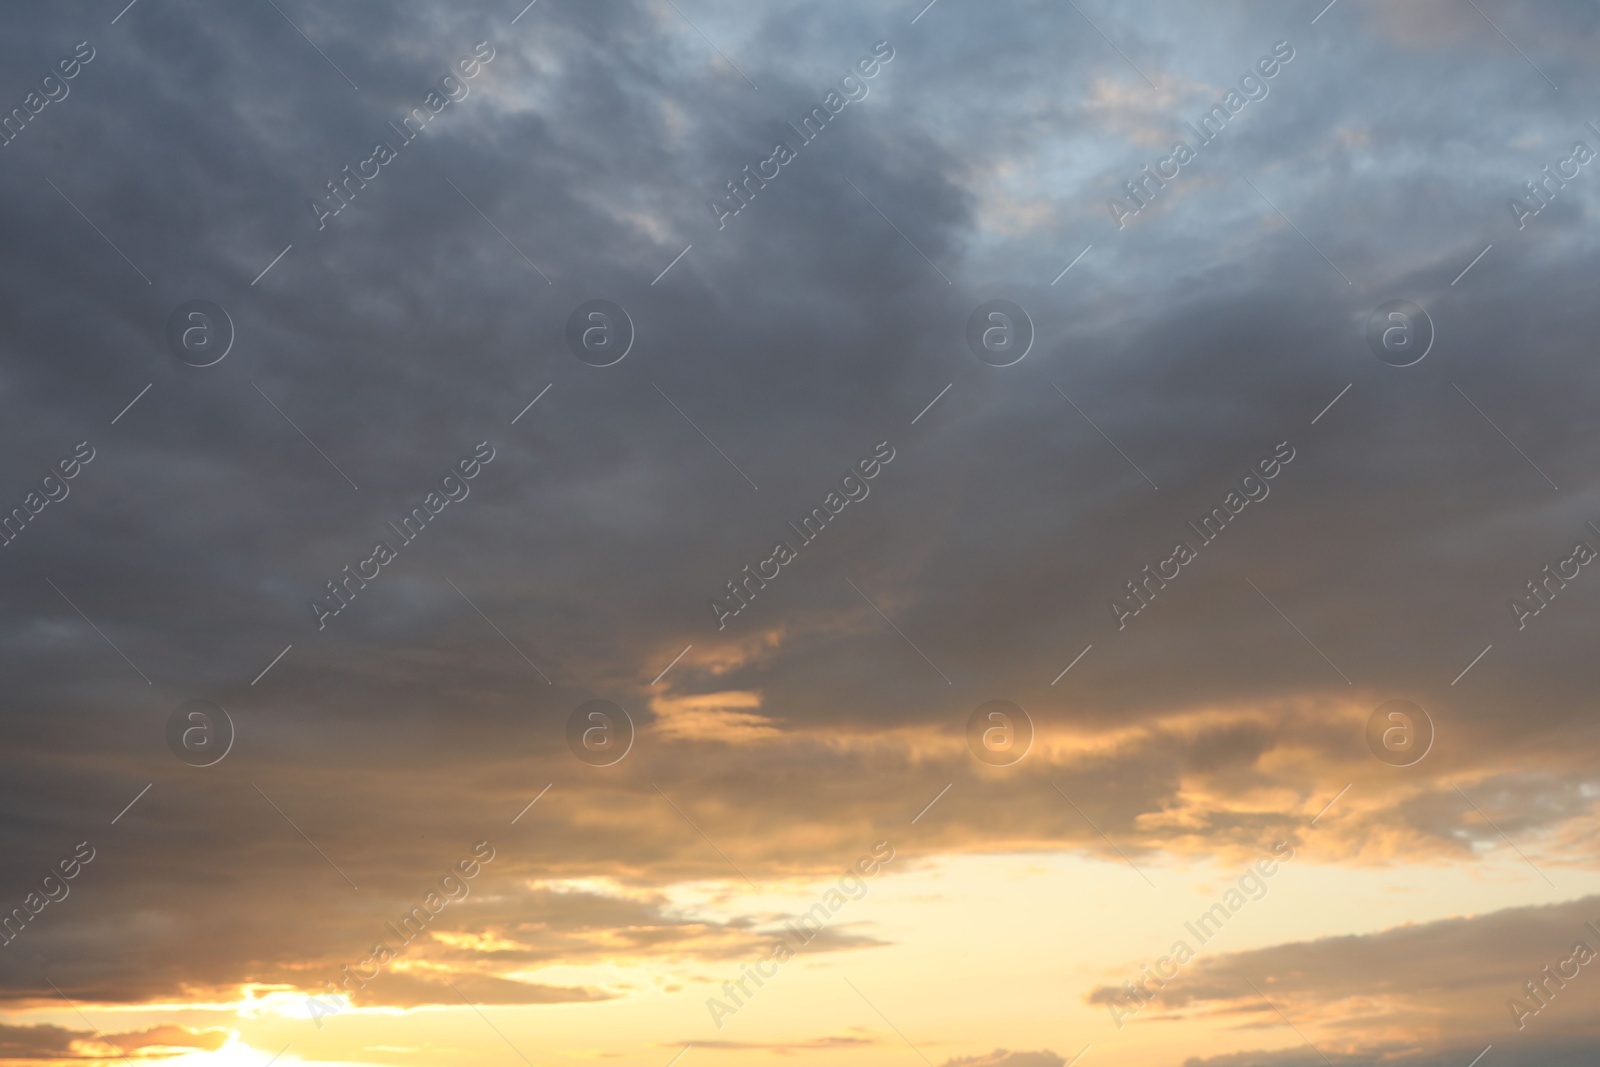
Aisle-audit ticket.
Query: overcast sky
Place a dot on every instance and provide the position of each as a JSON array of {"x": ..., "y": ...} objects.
[{"x": 576, "y": 152}]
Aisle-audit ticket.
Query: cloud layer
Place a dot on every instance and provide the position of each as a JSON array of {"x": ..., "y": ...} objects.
[{"x": 776, "y": 350}]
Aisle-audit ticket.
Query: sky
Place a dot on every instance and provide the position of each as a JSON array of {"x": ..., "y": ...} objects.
[{"x": 682, "y": 532}]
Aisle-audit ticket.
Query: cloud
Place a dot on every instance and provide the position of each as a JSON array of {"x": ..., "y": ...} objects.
[
  {"x": 729, "y": 717},
  {"x": 1002, "y": 1058},
  {"x": 781, "y": 1048},
  {"x": 1428, "y": 988},
  {"x": 404, "y": 990},
  {"x": 38, "y": 1042},
  {"x": 820, "y": 321},
  {"x": 54, "y": 1043}
]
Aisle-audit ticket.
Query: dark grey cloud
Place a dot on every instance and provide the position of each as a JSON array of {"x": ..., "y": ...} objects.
[
  {"x": 810, "y": 328},
  {"x": 1513, "y": 978},
  {"x": 55, "y": 1044}
]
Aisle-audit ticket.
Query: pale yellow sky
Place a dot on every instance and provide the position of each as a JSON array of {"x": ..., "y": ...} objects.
[{"x": 984, "y": 951}]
